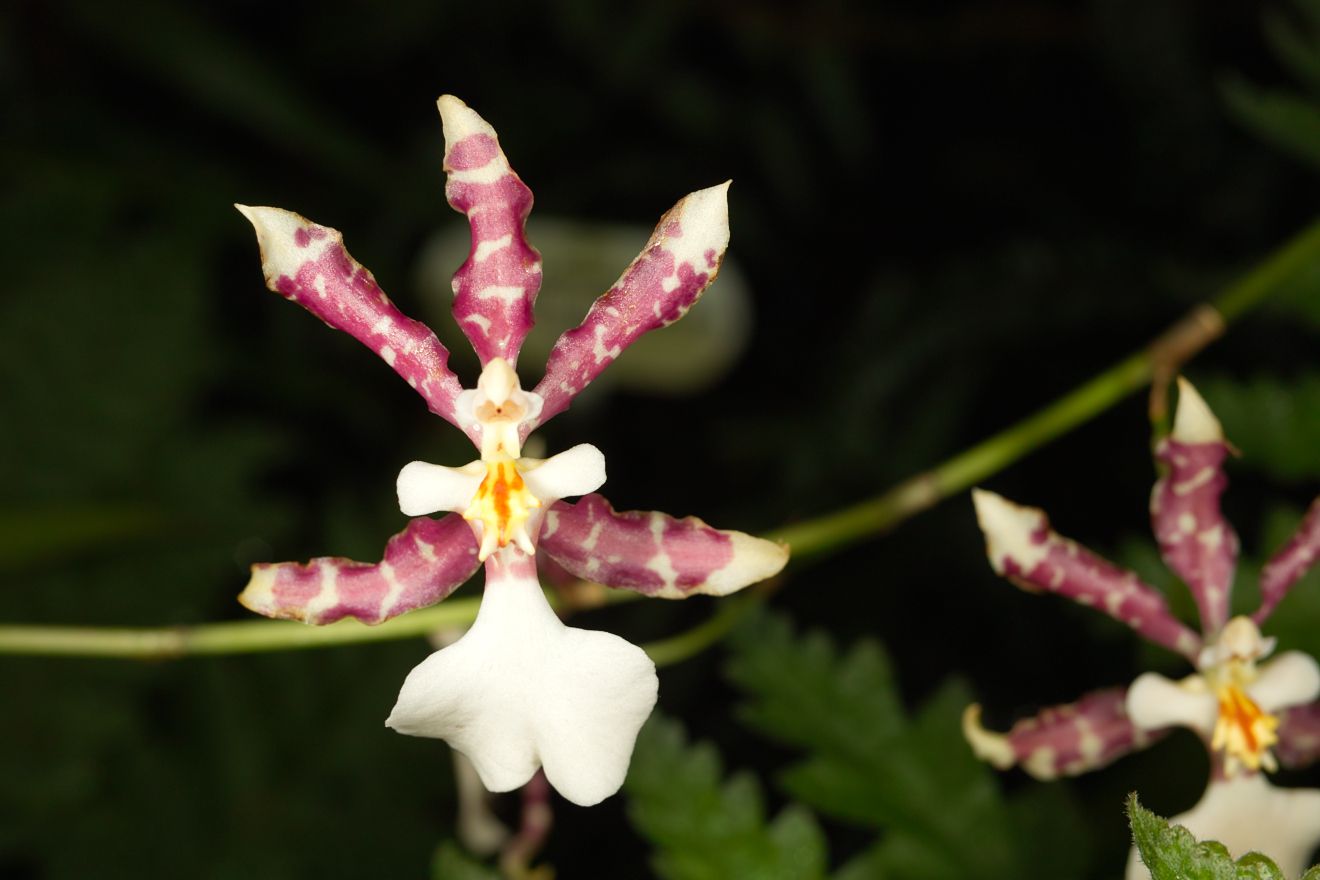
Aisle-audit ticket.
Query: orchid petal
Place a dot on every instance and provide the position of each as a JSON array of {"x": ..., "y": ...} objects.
[
  {"x": 573, "y": 472},
  {"x": 426, "y": 488},
  {"x": 423, "y": 564},
  {"x": 308, "y": 264},
  {"x": 1291, "y": 679},
  {"x": 494, "y": 291},
  {"x": 1022, "y": 547},
  {"x": 1155, "y": 702},
  {"x": 1299, "y": 735},
  {"x": 676, "y": 266},
  {"x": 1247, "y": 814},
  {"x": 1062, "y": 740},
  {"x": 654, "y": 553},
  {"x": 521, "y": 690},
  {"x": 1292, "y": 561},
  {"x": 1195, "y": 539}
]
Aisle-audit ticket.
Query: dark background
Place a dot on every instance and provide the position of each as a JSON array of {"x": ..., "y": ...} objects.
[{"x": 946, "y": 215}]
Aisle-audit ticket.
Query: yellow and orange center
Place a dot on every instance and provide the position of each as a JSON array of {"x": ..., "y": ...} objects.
[
  {"x": 1244, "y": 731},
  {"x": 503, "y": 505}
]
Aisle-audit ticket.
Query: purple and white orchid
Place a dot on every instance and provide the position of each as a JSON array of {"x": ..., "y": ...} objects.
[
  {"x": 520, "y": 690},
  {"x": 1253, "y": 714}
]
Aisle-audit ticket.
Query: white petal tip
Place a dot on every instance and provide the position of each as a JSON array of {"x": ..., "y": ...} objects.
[
  {"x": 259, "y": 594},
  {"x": 993, "y": 748},
  {"x": 1154, "y": 701},
  {"x": 754, "y": 560},
  {"x": 708, "y": 207},
  {"x": 1009, "y": 529},
  {"x": 460, "y": 121},
  {"x": 424, "y": 488},
  {"x": 1193, "y": 422}
]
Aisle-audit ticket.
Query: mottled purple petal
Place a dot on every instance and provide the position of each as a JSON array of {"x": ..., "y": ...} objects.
[
  {"x": 678, "y": 264},
  {"x": 1195, "y": 539},
  {"x": 1299, "y": 735},
  {"x": 1022, "y": 547},
  {"x": 423, "y": 564},
  {"x": 308, "y": 264},
  {"x": 654, "y": 553},
  {"x": 495, "y": 289},
  {"x": 1292, "y": 561},
  {"x": 1062, "y": 740}
]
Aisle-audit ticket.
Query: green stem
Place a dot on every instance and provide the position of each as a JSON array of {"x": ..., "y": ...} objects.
[{"x": 810, "y": 538}]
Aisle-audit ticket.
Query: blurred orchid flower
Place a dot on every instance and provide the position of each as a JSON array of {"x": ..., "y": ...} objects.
[
  {"x": 1253, "y": 713},
  {"x": 519, "y": 690}
]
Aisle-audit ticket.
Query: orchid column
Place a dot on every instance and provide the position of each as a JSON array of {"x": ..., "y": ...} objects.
[
  {"x": 520, "y": 690},
  {"x": 1252, "y": 713}
]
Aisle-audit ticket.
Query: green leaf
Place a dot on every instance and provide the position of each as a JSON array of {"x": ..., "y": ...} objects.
[
  {"x": 705, "y": 828},
  {"x": 871, "y": 764},
  {"x": 1275, "y": 423},
  {"x": 1170, "y": 852},
  {"x": 452, "y": 863},
  {"x": 1289, "y": 122}
]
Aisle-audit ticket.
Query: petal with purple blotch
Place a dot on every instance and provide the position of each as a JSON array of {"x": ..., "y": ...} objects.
[
  {"x": 1292, "y": 561},
  {"x": 423, "y": 564},
  {"x": 494, "y": 291},
  {"x": 1195, "y": 539},
  {"x": 673, "y": 270},
  {"x": 654, "y": 553},
  {"x": 1022, "y": 547},
  {"x": 308, "y": 264},
  {"x": 1299, "y": 735},
  {"x": 1061, "y": 740}
]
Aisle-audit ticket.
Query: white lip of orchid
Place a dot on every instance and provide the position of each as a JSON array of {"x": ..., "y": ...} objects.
[
  {"x": 1232, "y": 701},
  {"x": 499, "y": 407},
  {"x": 522, "y": 690},
  {"x": 503, "y": 498}
]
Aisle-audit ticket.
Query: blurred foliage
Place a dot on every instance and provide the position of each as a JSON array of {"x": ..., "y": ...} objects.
[{"x": 946, "y": 214}]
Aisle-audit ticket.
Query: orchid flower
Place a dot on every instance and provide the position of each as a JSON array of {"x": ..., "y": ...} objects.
[
  {"x": 1253, "y": 713},
  {"x": 520, "y": 690}
]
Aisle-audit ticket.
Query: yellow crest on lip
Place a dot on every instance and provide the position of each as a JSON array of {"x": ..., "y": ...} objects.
[
  {"x": 502, "y": 505},
  {"x": 1244, "y": 731}
]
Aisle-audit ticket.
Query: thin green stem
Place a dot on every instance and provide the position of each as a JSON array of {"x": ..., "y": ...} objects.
[{"x": 807, "y": 539}]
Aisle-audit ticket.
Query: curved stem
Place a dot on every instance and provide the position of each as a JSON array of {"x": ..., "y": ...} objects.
[{"x": 810, "y": 538}]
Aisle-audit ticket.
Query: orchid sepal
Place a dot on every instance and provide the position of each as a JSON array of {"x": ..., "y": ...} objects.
[
  {"x": 495, "y": 289},
  {"x": 679, "y": 262},
  {"x": 422, "y": 565},
  {"x": 308, "y": 264},
  {"x": 1063, "y": 740},
  {"x": 1022, "y": 547},
  {"x": 1195, "y": 539},
  {"x": 653, "y": 553}
]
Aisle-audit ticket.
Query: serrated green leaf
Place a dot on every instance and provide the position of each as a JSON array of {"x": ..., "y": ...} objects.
[
  {"x": 452, "y": 863},
  {"x": 1170, "y": 852},
  {"x": 868, "y": 762},
  {"x": 705, "y": 828}
]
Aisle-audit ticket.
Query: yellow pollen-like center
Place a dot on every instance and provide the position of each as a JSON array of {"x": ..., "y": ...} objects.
[
  {"x": 1244, "y": 731},
  {"x": 502, "y": 504}
]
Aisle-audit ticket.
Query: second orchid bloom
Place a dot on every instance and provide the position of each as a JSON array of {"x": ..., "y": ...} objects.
[
  {"x": 1253, "y": 711},
  {"x": 520, "y": 690}
]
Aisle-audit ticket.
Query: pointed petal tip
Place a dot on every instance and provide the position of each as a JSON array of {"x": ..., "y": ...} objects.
[
  {"x": 258, "y": 595},
  {"x": 993, "y": 748},
  {"x": 1009, "y": 530},
  {"x": 1193, "y": 421},
  {"x": 754, "y": 560},
  {"x": 459, "y": 121}
]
